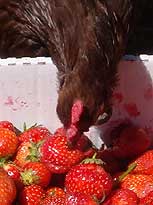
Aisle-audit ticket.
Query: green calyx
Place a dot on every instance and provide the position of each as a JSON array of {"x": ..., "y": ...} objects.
[
  {"x": 3, "y": 161},
  {"x": 34, "y": 155},
  {"x": 25, "y": 127},
  {"x": 93, "y": 160},
  {"x": 28, "y": 177}
]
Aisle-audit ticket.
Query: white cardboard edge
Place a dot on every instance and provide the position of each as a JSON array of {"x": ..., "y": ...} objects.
[
  {"x": 47, "y": 60},
  {"x": 25, "y": 61}
]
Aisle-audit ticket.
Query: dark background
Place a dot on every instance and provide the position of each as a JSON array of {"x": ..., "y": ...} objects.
[{"x": 141, "y": 38}]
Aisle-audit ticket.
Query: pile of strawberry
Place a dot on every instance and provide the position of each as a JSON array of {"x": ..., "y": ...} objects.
[{"x": 42, "y": 168}]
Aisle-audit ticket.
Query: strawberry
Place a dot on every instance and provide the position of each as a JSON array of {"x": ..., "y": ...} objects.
[
  {"x": 55, "y": 196},
  {"x": 27, "y": 152},
  {"x": 131, "y": 142},
  {"x": 49, "y": 200},
  {"x": 36, "y": 173},
  {"x": 121, "y": 197},
  {"x": 57, "y": 155},
  {"x": 60, "y": 131},
  {"x": 9, "y": 142},
  {"x": 144, "y": 163},
  {"x": 7, "y": 189},
  {"x": 141, "y": 184},
  {"x": 80, "y": 199},
  {"x": 89, "y": 178},
  {"x": 8, "y": 125},
  {"x": 31, "y": 195},
  {"x": 34, "y": 134},
  {"x": 147, "y": 200},
  {"x": 83, "y": 142},
  {"x": 55, "y": 191},
  {"x": 14, "y": 172}
]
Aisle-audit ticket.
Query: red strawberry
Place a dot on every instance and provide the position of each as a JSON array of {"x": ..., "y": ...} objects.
[
  {"x": 57, "y": 155},
  {"x": 131, "y": 142},
  {"x": 55, "y": 191},
  {"x": 14, "y": 172},
  {"x": 80, "y": 199},
  {"x": 27, "y": 152},
  {"x": 83, "y": 142},
  {"x": 9, "y": 142},
  {"x": 55, "y": 196},
  {"x": 60, "y": 131},
  {"x": 141, "y": 184},
  {"x": 147, "y": 200},
  {"x": 8, "y": 125},
  {"x": 7, "y": 189},
  {"x": 49, "y": 200},
  {"x": 34, "y": 134},
  {"x": 36, "y": 173},
  {"x": 144, "y": 163},
  {"x": 31, "y": 195},
  {"x": 89, "y": 179},
  {"x": 121, "y": 197}
]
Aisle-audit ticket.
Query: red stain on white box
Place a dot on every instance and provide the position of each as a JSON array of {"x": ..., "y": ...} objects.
[
  {"x": 9, "y": 101},
  {"x": 148, "y": 95},
  {"x": 131, "y": 109},
  {"x": 117, "y": 97},
  {"x": 15, "y": 103}
]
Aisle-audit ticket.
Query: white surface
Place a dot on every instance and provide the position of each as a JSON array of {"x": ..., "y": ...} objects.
[{"x": 28, "y": 92}]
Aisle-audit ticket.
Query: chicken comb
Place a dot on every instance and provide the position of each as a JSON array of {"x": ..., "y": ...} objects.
[
  {"x": 72, "y": 132},
  {"x": 76, "y": 112}
]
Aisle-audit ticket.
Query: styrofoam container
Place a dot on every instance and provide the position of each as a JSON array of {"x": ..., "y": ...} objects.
[{"x": 28, "y": 93}]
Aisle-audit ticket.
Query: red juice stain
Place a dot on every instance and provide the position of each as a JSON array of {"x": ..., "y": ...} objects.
[
  {"x": 131, "y": 109},
  {"x": 9, "y": 101},
  {"x": 118, "y": 97},
  {"x": 148, "y": 94}
]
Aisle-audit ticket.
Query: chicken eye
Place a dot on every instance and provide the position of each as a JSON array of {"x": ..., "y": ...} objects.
[{"x": 104, "y": 117}]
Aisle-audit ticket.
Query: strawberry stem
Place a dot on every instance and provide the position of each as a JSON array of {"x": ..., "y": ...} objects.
[
  {"x": 94, "y": 156},
  {"x": 124, "y": 174},
  {"x": 25, "y": 126},
  {"x": 129, "y": 170}
]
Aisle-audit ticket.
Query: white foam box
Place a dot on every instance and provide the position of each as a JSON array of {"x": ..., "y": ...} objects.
[{"x": 28, "y": 93}]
